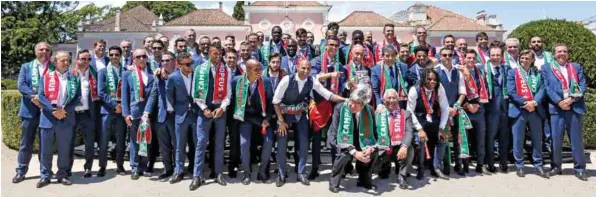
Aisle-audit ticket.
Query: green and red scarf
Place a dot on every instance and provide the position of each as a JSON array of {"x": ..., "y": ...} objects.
[
  {"x": 428, "y": 105},
  {"x": 201, "y": 83},
  {"x": 52, "y": 87},
  {"x": 138, "y": 85},
  {"x": 144, "y": 136},
  {"x": 570, "y": 87},
  {"x": 526, "y": 84},
  {"x": 472, "y": 90},
  {"x": 345, "y": 137},
  {"x": 113, "y": 87},
  {"x": 242, "y": 87},
  {"x": 386, "y": 82},
  {"x": 34, "y": 66},
  {"x": 92, "y": 82},
  {"x": 480, "y": 56},
  {"x": 379, "y": 48},
  {"x": 463, "y": 123},
  {"x": 489, "y": 77},
  {"x": 391, "y": 128},
  {"x": 367, "y": 57},
  {"x": 335, "y": 80}
]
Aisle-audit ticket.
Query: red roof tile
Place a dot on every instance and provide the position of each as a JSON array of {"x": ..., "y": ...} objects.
[
  {"x": 286, "y": 3},
  {"x": 366, "y": 19},
  {"x": 205, "y": 17},
  {"x": 136, "y": 19},
  {"x": 441, "y": 19}
]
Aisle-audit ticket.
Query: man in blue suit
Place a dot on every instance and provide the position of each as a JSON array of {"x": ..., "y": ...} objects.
[
  {"x": 390, "y": 74},
  {"x": 252, "y": 95},
  {"x": 304, "y": 50},
  {"x": 422, "y": 62},
  {"x": 276, "y": 45},
  {"x": 86, "y": 108},
  {"x": 565, "y": 86},
  {"x": 165, "y": 116},
  {"x": 290, "y": 62},
  {"x": 231, "y": 60},
  {"x": 126, "y": 47},
  {"x": 368, "y": 58},
  {"x": 99, "y": 59},
  {"x": 179, "y": 90},
  {"x": 59, "y": 92},
  {"x": 213, "y": 101},
  {"x": 137, "y": 84},
  {"x": 109, "y": 88},
  {"x": 355, "y": 65},
  {"x": 253, "y": 41},
  {"x": 524, "y": 86},
  {"x": 28, "y": 85}
]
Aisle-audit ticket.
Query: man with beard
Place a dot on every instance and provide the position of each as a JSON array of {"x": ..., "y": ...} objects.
[
  {"x": 216, "y": 41},
  {"x": 179, "y": 46},
  {"x": 147, "y": 43},
  {"x": 405, "y": 56},
  {"x": 244, "y": 54},
  {"x": 542, "y": 57},
  {"x": 390, "y": 40},
  {"x": 231, "y": 39},
  {"x": 291, "y": 104},
  {"x": 157, "y": 48},
  {"x": 310, "y": 38},
  {"x": 351, "y": 134},
  {"x": 422, "y": 62},
  {"x": 204, "y": 44},
  {"x": 461, "y": 47},
  {"x": 290, "y": 62},
  {"x": 421, "y": 35},
  {"x": 166, "y": 42},
  {"x": 305, "y": 48},
  {"x": 449, "y": 42},
  {"x": 252, "y": 94},
  {"x": 367, "y": 60},
  {"x": 511, "y": 56},
  {"x": 482, "y": 48},
  {"x": 368, "y": 39},
  {"x": 275, "y": 45},
  {"x": 228, "y": 46}
]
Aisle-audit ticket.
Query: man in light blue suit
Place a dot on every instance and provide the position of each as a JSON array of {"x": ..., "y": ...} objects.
[
  {"x": 289, "y": 62},
  {"x": 58, "y": 95},
  {"x": 28, "y": 85},
  {"x": 565, "y": 86},
  {"x": 137, "y": 84}
]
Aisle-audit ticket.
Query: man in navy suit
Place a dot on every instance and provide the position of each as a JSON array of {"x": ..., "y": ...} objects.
[
  {"x": 305, "y": 49},
  {"x": 213, "y": 101},
  {"x": 368, "y": 58},
  {"x": 356, "y": 64},
  {"x": 59, "y": 92},
  {"x": 231, "y": 60},
  {"x": 126, "y": 46},
  {"x": 290, "y": 62},
  {"x": 390, "y": 74},
  {"x": 565, "y": 86},
  {"x": 86, "y": 109},
  {"x": 253, "y": 41},
  {"x": 165, "y": 116},
  {"x": 28, "y": 85},
  {"x": 251, "y": 96},
  {"x": 276, "y": 45},
  {"x": 136, "y": 87}
]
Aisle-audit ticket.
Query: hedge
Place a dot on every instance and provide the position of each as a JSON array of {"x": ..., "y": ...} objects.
[
  {"x": 11, "y": 123},
  {"x": 9, "y": 84}
]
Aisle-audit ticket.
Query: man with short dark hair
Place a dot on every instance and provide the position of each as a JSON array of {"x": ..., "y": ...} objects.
[
  {"x": 310, "y": 38},
  {"x": 367, "y": 60},
  {"x": 275, "y": 45},
  {"x": 390, "y": 40},
  {"x": 305, "y": 48},
  {"x": 482, "y": 47},
  {"x": 421, "y": 35}
]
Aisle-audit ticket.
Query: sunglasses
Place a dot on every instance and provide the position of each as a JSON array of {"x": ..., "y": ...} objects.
[
  {"x": 85, "y": 59},
  {"x": 141, "y": 56},
  {"x": 157, "y": 48},
  {"x": 447, "y": 55},
  {"x": 185, "y": 64},
  {"x": 420, "y": 33},
  {"x": 114, "y": 55}
]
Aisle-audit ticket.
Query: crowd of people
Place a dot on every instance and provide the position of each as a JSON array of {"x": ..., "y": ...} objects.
[{"x": 377, "y": 103}]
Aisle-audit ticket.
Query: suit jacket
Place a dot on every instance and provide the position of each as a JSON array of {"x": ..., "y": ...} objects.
[
  {"x": 376, "y": 79},
  {"x": 554, "y": 90},
  {"x": 130, "y": 105},
  {"x": 158, "y": 95},
  {"x": 286, "y": 66},
  {"x": 108, "y": 105},
  {"x": 94, "y": 106},
  {"x": 344, "y": 52},
  {"x": 515, "y": 106},
  {"x": 105, "y": 60},
  {"x": 269, "y": 110},
  {"x": 177, "y": 95},
  {"x": 316, "y": 69},
  {"x": 47, "y": 120},
  {"x": 498, "y": 103},
  {"x": 27, "y": 108}
]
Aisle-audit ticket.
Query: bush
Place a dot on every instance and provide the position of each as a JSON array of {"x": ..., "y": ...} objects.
[
  {"x": 11, "y": 122},
  {"x": 581, "y": 41},
  {"x": 590, "y": 119},
  {"x": 9, "y": 84}
]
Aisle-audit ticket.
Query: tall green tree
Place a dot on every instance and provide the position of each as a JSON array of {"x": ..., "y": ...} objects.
[
  {"x": 239, "y": 11},
  {"x": 169, "y": 9}
]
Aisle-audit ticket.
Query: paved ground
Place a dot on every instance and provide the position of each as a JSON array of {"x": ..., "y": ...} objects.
[{"x": 115, "y": 186}]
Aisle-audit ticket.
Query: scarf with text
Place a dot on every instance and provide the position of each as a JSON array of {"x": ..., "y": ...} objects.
[
  {"x": 570, "y": 87},
  {"x": 472, "y": 90},
  {"x": 92, "y": 83},
  {"x": 220, "y": 83},
  {"x": 34, "y": 66},
  {"x": 52, "y": 87},
  {"x": 345, "y": 137},
  {"x": 241, "y": 94},
  {"x": 527, "y": 83},
  {"x": 113, "y": 87}
]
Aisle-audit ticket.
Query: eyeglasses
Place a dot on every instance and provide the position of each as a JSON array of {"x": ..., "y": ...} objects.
[
  {"x": 114, "y": 55},
  {"x": 141, "y": 56},
  {"x": 157, "y": 48},
  {"x": 166, "y": 60},
  {"x": 447, "y": 55}
]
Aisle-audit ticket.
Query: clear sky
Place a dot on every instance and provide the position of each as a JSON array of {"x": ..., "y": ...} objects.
[{"x": 510, "y": 13}]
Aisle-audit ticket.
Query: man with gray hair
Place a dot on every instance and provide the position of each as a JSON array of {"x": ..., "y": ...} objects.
[
  {"x": 390, "y": 74},
  {"x": 28, "y": 85},
  {"x": 511, "y": 56},
  {"x": 126, "y": 46}
]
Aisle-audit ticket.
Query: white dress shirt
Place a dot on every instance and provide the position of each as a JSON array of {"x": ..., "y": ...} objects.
[
  {"x": 99, "y": 63},
  {"x": 566, "y": 76},
  {"x": 539, "y": 60},
  {"x": 226, "y": 101},
  {"x": 62, "y": 90},
  {"x": 41, "y": 68},
  {"x": 145, "y": 75},
  {"x": 461, "y": 85},
  {"x": 283, "y": 86},
  {"x": 85, "y": 89},
  {"x": 512, "y": 62},
  {"x": 443, "y": 103}
]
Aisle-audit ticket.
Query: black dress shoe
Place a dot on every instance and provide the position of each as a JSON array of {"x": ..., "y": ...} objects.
[
  {"x": 520, "y": 173},
  {"x": 403, "y": 184},
  {"x": 69, "y": 173},
  {"x": 384, "y": 175},
  {"x": 349, "y": 168},
  {"x": 303, "y": 179},
  {"x": 314, "y": 173},
  {"x": 221, "y": 180},
  {"x": 542, "y": 173},
  {"x": 420, "y": 175},
  {"x": 195, "y": 184},
  {"x": 43, "y": 182},
  {"x": 334, "y": 189},
  {"x": 441, "y": 175},
  {"x": 147, "y": 174},
  {"x": 135, "y": 176},
  {"x": 18, "y": 178},
  {"x": 581, "y": 176},
  {"x": 280, "y": 181},
  {"x": 461, "y": 172},
  {"x": 504, "y": 169},
  {"x": 232, "y": 171},
  {"x": 164, "y": 175},
  {"x": 246, "y": 179},
  {"x": 212, "y": 175},
  {"x": 87, "y": 174},
  {"x": 176, "y": 178},
  {"x": 482, "y": 170},
  {"x": 492, "y": 169},
  {"x": 263, "y": 177},
  {"x": 65, "y": 181},
  {"x": 121, "y": 171},
  {"x": 368, "y": 186},
  {"x": 101, "y": 172},
  {"x": 555, "y": 171}
]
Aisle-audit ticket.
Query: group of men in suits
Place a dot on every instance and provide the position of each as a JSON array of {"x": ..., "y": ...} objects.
[{"x": 165, "y": 102}]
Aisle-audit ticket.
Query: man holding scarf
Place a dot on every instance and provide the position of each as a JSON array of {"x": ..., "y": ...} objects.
[
  {"x": 565, "y": 86},
  {"x": 86, "y": 109},
  {"x": 59, "y": 93},
  {"x": 29, "y": 112},
  {"x": 390, "y": 40},
  {"x": 291, "y": 107},
  {"x": 345, "y": 53},
  {"x": 352, "y": 134},
  {"x": 137, "y": 85},
  {"x": 211, "y": 91},
  {"x": 253, "y": 110}
]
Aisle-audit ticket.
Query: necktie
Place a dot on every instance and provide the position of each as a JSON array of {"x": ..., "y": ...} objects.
[
  {"x": 392, "y": 74},
  {"x": 498, "y": 74}
]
